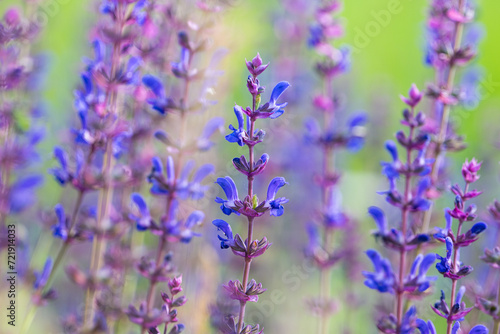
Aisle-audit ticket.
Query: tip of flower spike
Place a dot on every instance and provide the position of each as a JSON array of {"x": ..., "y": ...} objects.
[{"x": 12, "y": 16}]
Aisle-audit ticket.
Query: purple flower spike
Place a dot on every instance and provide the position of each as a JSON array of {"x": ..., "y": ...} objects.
[
  {"x": 414, "y": 96},
  {"x": 470, "y": 169},
  {"x": 143, "y": 221},
  {"x": 255, "y": 67},
  {"x": 275, "y": 204},
  {"x": 226, "y": 241}
]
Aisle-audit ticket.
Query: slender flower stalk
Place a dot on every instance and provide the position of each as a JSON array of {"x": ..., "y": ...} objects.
[
  {"x": 450, "y": 265},
  {"x": 174, "y": 188},
  {"x": 414, "y": 170},
  {"x": 21, "y": 75},
  {"x": 250, "y": 207},
  {"x": 446, "y": 54},
  {"x": 109, "y": 75},
  {"x": 490, "y": 306},
  {"x": 333, "y": 63}
]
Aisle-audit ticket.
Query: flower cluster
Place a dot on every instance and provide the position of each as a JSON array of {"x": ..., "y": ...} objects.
[
  {"x": 20, "y": 79},
  {"x": 249, "y": 206},
  {"x": 450, "y": 265},
  {"x": 111, "y": 152},
  {"x": 414, "y": 169},
  {"x": 451, "y": 45},
  {"x": 21, "y": 112},
  {"x": 173, "y": 180},
  {"x": 329, "y": 138}
]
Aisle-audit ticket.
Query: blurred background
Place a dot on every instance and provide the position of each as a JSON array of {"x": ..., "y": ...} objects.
[{"x": 388, "y": 50}]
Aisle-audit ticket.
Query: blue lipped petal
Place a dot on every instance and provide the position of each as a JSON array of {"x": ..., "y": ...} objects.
[
  {"x": 195, "y": 218},
  {"x": 229, "y": 187},
  {"x": 278, "y": 90},
  {"x": 154, "y": 84},
  {"x": 223, "y": 226},
  {"x": 479, "y": 329},
  {"x": 274, "y": 186},
  {"x": 379, "y": 217},
  {"x": 393, "y": 150}
]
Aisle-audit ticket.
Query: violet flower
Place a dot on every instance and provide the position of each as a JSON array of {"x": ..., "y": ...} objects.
[
  {"x": 249, "y": 206},
  {"x": 446, "y": 52},
  {"x": 173, "y": 180},
  {"x": 450, "y": 265},
  {"x": 329, "y": 136},
  {"x": 411, "y": 200}
]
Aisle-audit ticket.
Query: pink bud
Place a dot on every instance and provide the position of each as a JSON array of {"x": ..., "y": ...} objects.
[
  {"x": 257, "y": 61},
  {"x": 12, "y": 16}
]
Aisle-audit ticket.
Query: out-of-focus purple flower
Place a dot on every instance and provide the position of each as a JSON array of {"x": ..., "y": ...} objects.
[
  {"x": 177, "y": 230},
  {"x": 419, "y": 281},
  {"x": 203, "y": 142},
  {"x": 42, "y": 277},
  {"x": 143, "y": 221},
  {"x": 227, "y": 240},
  {"x": 356, "y": 132},
  {"x": 181, "y": 69},
  {"x": 425, "y": 327},
  {"x": 160, "y": 103},
  {"x": 61, "y": 174},
  {"x": 414, "y": 96},
  {"x": 382, "y": 279},
  {"x": 22, "y": 193},
  {"x": 60, "y": 230},
  {"x": 470, "y": 169},
  {"x": 184, "y": 188},
  {"x": 478, "y": 329}
]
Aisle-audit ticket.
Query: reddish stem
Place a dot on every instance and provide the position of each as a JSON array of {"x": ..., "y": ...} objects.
[{"x": 248, "y": 259}]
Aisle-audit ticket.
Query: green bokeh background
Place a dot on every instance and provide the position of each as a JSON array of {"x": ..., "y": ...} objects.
[{"x": 391, "y": 60}]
